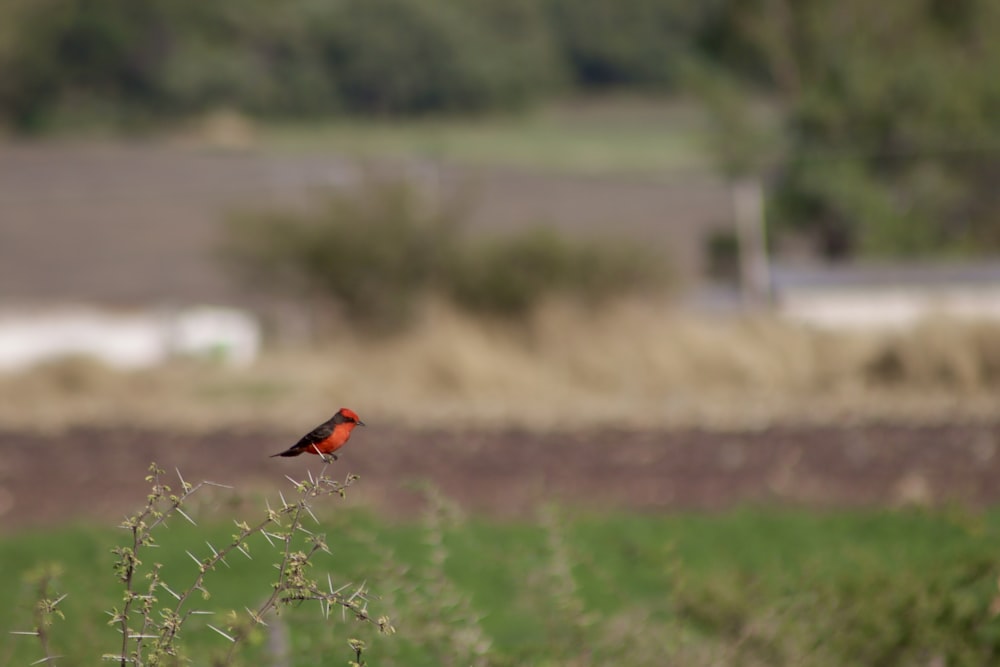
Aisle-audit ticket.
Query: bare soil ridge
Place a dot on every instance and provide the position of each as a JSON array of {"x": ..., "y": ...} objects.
[{"x": 98, "y": 474}]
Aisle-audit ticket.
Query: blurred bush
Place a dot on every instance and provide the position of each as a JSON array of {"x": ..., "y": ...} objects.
[
  {"x": 873, "y": 616},
  {"x": 371, "y": 253},
  {"x": 953, "y": 354},
  {"x": 376, "y": 253},
  {"x": 510, "y": 275}
]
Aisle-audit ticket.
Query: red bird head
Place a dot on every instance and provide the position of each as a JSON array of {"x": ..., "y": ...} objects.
[{"x": 348, "y": 416}]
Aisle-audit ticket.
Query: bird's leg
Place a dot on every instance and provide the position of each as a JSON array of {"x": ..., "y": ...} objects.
[{"x": 329, "y": 458}]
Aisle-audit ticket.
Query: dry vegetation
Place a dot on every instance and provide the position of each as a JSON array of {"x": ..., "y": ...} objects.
[{"x": 632, "y": 364}]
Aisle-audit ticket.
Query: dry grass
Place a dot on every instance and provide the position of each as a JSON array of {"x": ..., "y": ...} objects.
[{"x": 633, "y": 365}]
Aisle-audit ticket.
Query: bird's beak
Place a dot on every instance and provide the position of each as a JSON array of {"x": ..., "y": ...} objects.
[{"x": 360, "y": 423}]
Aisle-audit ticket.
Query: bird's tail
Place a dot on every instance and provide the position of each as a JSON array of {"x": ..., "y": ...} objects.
[{"x": 287, "y": 452}]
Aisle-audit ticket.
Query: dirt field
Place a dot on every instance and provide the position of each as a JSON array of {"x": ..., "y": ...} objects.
[{"x": 99, "y": 473}]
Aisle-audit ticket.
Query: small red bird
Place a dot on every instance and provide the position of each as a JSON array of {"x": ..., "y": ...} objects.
[{"x": 326, "y": 438}]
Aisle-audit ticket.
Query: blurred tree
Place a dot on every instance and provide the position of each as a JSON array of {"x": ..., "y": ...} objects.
[
  {"x": 412, "y": 56},
  {"x": 162, "y": 57},
  {"x": 626, "y": 43},
  {"x": 79, "y": 52},
  {"x": 894, "y": 118}
]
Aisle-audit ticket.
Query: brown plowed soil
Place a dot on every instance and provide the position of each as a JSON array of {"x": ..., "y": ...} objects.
[{"x": 92, "y": 473}]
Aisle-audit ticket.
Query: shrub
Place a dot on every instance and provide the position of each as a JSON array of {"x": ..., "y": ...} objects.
[
  {"x": 374, "y": 254},
  {"x": 510, "y": 275},
  {"x": 371, "y": 254},
  {"x": 155, "y": 615}
]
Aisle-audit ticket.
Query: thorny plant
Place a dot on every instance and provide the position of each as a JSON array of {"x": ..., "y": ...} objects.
[
  {"x": 45, "y": 609},
  {"x": 150, "y": 631},
  {"x": 449, "y": 620}
]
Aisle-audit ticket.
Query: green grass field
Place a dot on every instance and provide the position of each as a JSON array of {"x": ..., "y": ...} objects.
[
  {"x": 749, "y": 587},
  {"x": 620, "y": 135}
]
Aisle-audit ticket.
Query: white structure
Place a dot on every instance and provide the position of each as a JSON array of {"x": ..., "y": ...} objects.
[
  {"x": 887, "y": 297},
  {"x": 127, "y": 340}
]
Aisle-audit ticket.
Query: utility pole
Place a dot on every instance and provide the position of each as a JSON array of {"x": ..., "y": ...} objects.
[{"x": 748, "y": 215}]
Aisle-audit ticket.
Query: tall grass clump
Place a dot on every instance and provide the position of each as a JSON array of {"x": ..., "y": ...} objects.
[
  {"x": 154, "y": 615},
  {"x": 949, "y": 354},
  {"x": 374, "y": 254}
]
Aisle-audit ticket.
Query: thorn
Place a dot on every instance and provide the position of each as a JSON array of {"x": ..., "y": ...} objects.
[
  {"x": 244, "y": 551},
  {"x": 184, "y": 514},
  {"x": 283, "y": 501},
  {"x": 294, "y": 482},
  {"x": 197, "y": 562},
  {"x": 46, "y": 659},
  {"x": 31, "y": 633},
  {"x": 221, "y": 486},
  {"x": 216, "y": 554},
  {"x": 256, "y": 617},
  {"x": 309, "y": 509},
  {"x": 167, "y": 589},
  {"x": 232, "y": 639},
  {"x": 358, "y": 592}
]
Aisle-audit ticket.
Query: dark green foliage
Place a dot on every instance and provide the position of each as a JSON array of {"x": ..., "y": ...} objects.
[
  {"x": 409, "y": 56},
  {"x": 375, "y": 253},
  {"x": 892, "y": 114},
  {"x": 722, "y": 257},
  {"x": 159, "y": 58},
  {"x": 627, "y": 43},
  {"x": 80, "y": 52}
]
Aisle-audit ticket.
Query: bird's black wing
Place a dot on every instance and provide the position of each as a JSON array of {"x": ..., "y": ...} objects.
[{"x": 315, "y": 436}]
